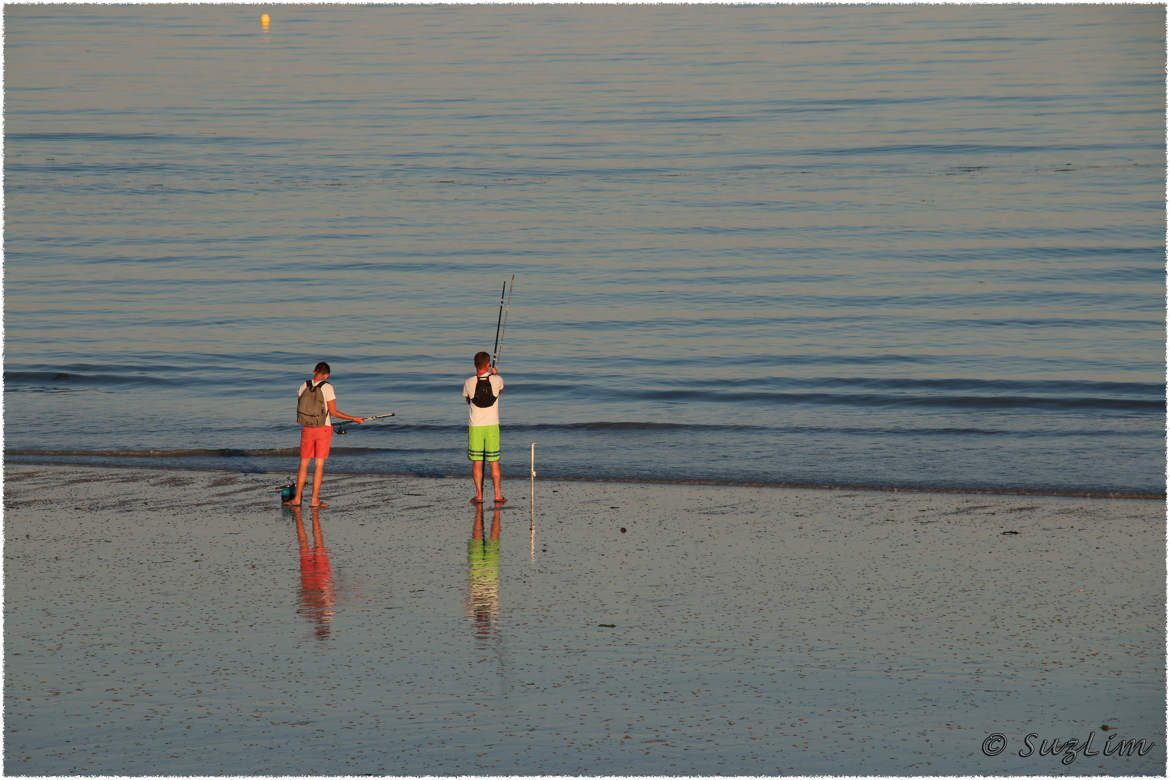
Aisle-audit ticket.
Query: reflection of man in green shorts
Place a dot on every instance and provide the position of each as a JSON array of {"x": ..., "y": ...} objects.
[
  {"x": 483, "y": 573},
  {"x": 482, "y": 393}
]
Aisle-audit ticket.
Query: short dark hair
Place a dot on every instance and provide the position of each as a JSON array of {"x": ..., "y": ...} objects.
[
  {"x": 322, "y": 368},
  {"x": 482, "y": 359}
]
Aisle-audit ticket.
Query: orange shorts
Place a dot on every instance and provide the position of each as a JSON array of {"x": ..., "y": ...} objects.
[{"x": 315, "y": 441}]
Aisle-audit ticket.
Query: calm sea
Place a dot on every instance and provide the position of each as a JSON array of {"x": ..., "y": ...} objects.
[{"x": 886, "y": 246}]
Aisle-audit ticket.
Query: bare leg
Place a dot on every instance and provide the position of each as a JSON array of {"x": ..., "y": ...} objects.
[
  {"x": 496, "y": 482},
  {"x": 318, "y": 475},
  {"x": 477, "y": 478},
  {"x": 302, "y": 474}
]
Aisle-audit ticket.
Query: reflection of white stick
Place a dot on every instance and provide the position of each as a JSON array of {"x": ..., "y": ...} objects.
[{"x": 532, "y": 498}]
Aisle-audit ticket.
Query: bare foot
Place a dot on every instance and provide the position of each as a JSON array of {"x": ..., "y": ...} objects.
[
  {"x": 318, "y": 505},
  {"x": 500, "y": 499},
  {"x": 293, "y": 502},
  {"x": 477, "y": 500}
]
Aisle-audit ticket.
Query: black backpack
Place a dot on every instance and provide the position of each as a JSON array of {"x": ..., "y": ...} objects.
[
  {"x": 484, "y": 397},
  {"x": 311, "y": 407}
]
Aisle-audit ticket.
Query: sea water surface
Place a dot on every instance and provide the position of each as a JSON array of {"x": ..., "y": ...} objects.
[{"x": 886, "y": 246}]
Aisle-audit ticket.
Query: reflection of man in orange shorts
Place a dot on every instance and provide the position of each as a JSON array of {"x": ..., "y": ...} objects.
[
  {"x": 317, "y": 596},
  {"x": 316, "y": 408}
]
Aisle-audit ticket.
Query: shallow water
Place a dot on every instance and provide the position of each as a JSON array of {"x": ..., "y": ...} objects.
[
  {"x": 887, "y": 246},
  {"x": 176, "y": 622}
]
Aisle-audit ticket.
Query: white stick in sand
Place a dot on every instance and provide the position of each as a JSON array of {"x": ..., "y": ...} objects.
[{"x": 532, "y": 499}]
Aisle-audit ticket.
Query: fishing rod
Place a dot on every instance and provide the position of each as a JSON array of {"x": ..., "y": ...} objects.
[
  {"x": 340, "y": 426},
  {"x": 507, "y": 308},
  {"x": 499, "y": 318},
  {"x": 502, "y": 317}
]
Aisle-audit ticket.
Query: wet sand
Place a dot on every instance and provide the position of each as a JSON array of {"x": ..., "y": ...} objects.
[{"x": 181, "y": 622}]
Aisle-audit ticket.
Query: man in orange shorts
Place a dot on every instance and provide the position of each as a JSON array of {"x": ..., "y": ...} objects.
[{"x": 316, "y": 408}]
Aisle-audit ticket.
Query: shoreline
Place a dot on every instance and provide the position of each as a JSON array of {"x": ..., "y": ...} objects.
[{"x": 81, "y": 459}]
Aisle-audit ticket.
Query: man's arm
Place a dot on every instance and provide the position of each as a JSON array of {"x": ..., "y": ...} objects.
[{"x": 334, "y": 413}]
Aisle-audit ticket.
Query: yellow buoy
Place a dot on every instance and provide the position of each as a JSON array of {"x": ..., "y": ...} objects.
[{"x": 264, "y": 20}]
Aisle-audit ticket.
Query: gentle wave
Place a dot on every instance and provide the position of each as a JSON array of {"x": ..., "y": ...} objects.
[
  {"x": 972, "y": 149},
  {"x": 972, "y": 394},
  {"x": 400, "y": 428},
  {"x": 226, "y": 452},
  {"x": 137, "y": 139},
  {"x": 908, "y": 401},
  {"x": 51, "y": 380}
]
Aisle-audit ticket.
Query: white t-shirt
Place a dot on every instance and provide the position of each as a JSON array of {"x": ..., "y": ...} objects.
[
  {"x": 483, "y": 416},
  {"x": 327, "y": 395}
]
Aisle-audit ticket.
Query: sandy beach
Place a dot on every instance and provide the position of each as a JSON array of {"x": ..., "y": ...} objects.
[{"x": 181, "y": 622}]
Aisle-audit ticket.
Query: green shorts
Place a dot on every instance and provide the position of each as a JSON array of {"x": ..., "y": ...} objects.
[{"x": 483, "y": 442}]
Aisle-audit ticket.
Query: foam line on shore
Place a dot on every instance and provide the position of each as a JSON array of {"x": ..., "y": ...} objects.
[{"x": 83, "y": 458}]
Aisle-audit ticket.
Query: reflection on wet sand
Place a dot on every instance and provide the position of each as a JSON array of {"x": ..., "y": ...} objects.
[
  {"x": 483, "y": 573},
  {"x": 317, "y": 597}
]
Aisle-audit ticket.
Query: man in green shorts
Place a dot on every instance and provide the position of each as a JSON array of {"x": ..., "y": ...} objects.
[{"x": 482, "y": 393}]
